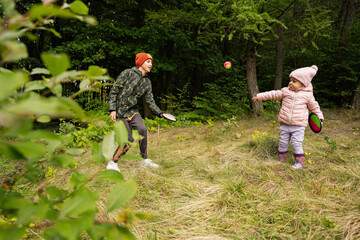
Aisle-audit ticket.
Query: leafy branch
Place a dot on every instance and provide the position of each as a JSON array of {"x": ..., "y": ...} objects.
[{"x": 65, "y": 214}]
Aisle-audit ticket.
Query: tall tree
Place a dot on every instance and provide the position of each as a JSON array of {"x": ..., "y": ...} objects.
[
  {"x": 346, "y": 19},
  {"x": 251, "y": 75}
]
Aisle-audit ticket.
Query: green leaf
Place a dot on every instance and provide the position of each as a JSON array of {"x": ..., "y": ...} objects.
[
  {"x": 74, "y": 106},
  {"x": 136, "y": 135},
  {"x": 95, "y": 71},
  {"x": 43, "y": 119},
  {"x": 52, "y": 106},
  {"x": 16, "y": 126},
  {"x": 108, "y": 231},
  {"x": 56, "y": 63},
  {"x": 67, "y": 75},
  {"x": 53, "y": 31},
  {"x": 121, "y": 193},
  {"x": 10, "y": 82},
  {"x": 78, "y": 179},
  {"x": 38, "y": 12},
  {"x": 55, "y": 193},
  {"x": 34, "y": 85},
  {"x": 110, "y": 175},
  {"x": 84, "y": 85},
  {"x": 4, "y": 70},
  {"x": 40, "y": 71},
  {"x": 121, "y": 134},
  {"x": 33, "y": 171},
  {"x": 83, "y": 201},
  {"x": 79, "y": 7},
  {"x": 8, "y": 8},
  {"x": 97, "y": 154},
  {"x": 88, "y": 19},
  {"x": 62, "y": 161},
  {"x": 12, "y": 51},
  {"x": 314, "y": 45},
  {"x": 231, "y": 35},
  {"x": 28, "y": 213},
  {"x": 43, "y": 135},
  {"x": 75, "y": 151},
  {"x": 30, "y": 149},
  {"x": 10, "y": 152},
  {"x": 15, "y": 201},
  {"x": 57, "y": 89},
  {"x": 11, "y": 232},
  {"x": 54, "y": 141},
  {"x": 108, "y": 145},
  {"x": 99, "y": 231},
  {"x": 71, "y": 229}
]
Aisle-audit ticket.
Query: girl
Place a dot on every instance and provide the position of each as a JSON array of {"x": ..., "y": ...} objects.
[{"x": 297, "y": 99}]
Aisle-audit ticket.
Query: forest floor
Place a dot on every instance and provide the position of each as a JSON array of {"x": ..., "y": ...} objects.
[{"x": 223, "y": 181}]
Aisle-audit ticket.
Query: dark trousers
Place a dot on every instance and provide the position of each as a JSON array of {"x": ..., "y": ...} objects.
[{"x": 136, "y": 123}]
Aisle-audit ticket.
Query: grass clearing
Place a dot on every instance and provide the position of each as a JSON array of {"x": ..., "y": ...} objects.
[{"x": 224, "y": 182}]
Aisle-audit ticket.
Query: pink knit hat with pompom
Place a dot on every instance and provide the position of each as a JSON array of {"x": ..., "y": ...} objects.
[{"x": 304, "y": 75}]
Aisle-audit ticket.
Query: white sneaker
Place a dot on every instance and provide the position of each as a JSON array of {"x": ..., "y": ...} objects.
[
  {"x": 297, "y": 166},
  {"x": 148, "y": 163},
  {"x": 112, "y": 166}
]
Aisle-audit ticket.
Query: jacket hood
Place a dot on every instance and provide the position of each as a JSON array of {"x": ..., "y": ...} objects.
[{"x": 136, "y": 70}]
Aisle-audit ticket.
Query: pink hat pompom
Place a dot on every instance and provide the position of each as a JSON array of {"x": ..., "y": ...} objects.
[{"x": 314, "y": 67}]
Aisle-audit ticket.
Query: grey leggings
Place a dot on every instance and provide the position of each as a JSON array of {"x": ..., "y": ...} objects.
[
  {"x": 136, "y": 123},
  {"x": 295, "y": 134}
]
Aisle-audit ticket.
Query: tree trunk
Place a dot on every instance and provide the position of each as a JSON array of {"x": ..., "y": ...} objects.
[
  {"x": 251, "y": 78},
  {"x": 346, "y": 18},
  {"x": 356, "y": 97},
  {"x": 279, "y": 61}
]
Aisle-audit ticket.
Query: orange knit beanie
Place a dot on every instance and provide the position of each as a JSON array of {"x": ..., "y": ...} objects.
[{"x": 141, "y": 58}]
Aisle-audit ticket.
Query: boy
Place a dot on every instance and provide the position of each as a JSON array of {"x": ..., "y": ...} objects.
[{"x": 132, "y": 84}]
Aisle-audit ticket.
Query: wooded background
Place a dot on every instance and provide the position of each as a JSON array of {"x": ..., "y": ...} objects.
[{"x": 191, "y": 39}]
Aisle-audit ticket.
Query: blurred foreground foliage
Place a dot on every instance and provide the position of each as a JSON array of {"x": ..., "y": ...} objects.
[{"x": 32, "y": 98}]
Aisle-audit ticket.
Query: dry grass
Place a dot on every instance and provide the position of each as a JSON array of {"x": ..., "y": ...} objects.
[{"x": 216, "y": 184}]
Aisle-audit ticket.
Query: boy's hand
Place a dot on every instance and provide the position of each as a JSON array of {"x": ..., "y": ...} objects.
[
  {"x": 255, "y": 99},
  {"x": 113, "y": 116}
]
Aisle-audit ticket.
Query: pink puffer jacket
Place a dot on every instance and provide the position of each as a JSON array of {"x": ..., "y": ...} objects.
[{"x": 295, "y": 104}]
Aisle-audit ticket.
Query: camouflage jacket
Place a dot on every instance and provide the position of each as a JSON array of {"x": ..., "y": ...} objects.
[{"x": 129, "y": 86}]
